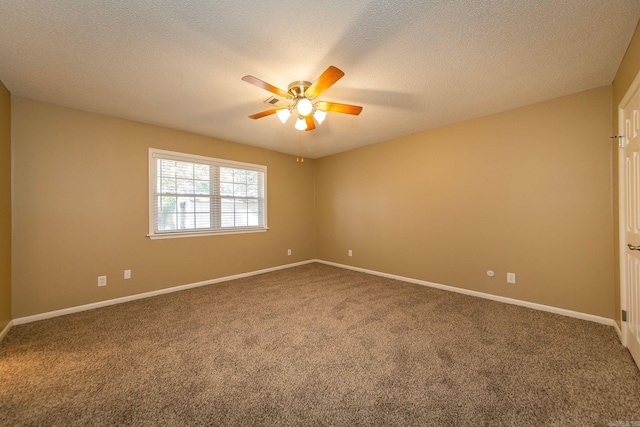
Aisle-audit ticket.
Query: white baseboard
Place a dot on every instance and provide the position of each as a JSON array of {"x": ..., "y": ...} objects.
[
  {"x": 77, "y": 309},
  {"x": 619, "y": 332},
  {"x": 541, "y": 307},
  {"x": 5, "y": 331}
]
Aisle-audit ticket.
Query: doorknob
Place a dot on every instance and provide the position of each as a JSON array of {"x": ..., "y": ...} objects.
[{"x": 634, "y": 248}]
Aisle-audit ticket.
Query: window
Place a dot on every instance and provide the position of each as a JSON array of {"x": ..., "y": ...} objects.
[{"x": 193, "y": 195}]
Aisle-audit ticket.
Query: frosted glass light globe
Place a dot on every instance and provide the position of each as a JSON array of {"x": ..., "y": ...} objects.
[
  {"x": 283, "y": 114},
  {"x": 320, "y": 116},
  {"x": 301, "y": 124},
  {"x": 304, "y": 107}
]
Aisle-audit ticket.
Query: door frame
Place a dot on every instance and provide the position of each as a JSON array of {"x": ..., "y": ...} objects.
[{"x": 622, "y": 211}]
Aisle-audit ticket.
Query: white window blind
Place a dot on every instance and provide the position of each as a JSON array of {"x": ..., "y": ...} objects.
[{"x": 194, "y": 195}]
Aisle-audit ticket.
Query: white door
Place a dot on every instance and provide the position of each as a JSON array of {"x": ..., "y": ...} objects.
[{"x": 630, "y": 216}]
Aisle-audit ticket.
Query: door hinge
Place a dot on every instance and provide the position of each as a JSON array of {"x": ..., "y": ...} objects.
[
  {"x": 624, "y": 315},
  {"x": 620, "y": 139}
]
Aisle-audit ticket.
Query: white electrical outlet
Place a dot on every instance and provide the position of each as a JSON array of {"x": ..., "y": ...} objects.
[
  {"x": 127, "y": 274},
  {"x": 350, "y": 252},
  {"x": 511, "y": 278},
  {"x": 102, "y": 280},
  {"x": 288, "y": 251}
]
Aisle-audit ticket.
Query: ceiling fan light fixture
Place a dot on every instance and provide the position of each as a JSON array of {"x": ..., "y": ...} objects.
[
  {"x": 283, "y": 114},
  {"x": 301, "y": 124},
  {"x": 319, "y": 115},
  {"x": 304, "y": 107},
  {"x": 302, "y": 100}
]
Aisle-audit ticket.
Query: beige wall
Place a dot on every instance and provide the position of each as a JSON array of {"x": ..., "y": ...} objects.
[
  {"x": 629, "y": 68},
  {"x": 525, "y": 191},
  {"x": 81, "y": 210},
  {"x": 5, "y": 207}
]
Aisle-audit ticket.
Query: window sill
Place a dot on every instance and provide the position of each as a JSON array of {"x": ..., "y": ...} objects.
[{"x": 181, "y": 234}]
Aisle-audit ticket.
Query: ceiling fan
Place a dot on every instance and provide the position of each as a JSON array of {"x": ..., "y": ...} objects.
[{"x": 302, "y": 100}]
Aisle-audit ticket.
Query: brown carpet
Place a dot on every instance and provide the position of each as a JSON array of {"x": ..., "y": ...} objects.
[{"x": 316, "y": 345}]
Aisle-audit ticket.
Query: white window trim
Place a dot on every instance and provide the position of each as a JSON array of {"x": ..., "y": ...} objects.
[{"x": 194, "y": 158}]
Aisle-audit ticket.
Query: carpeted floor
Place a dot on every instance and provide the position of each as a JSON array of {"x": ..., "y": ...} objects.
[{"x": 316, "y": 345}]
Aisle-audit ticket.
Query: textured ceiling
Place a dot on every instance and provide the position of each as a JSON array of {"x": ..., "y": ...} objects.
[{"x": 413, "y": 65}]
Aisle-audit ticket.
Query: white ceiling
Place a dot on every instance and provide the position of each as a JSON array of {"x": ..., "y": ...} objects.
[{"x": 413, "y": 65}]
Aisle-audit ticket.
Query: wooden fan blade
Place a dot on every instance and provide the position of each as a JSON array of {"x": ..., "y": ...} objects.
[
  {"x": 310, "y": 123},
  {"x": 338, "y": 108},
  {"x": 266, "y": 86},
  {"x": 264, "y": 113},
  {"x": 324, "y": 82}
]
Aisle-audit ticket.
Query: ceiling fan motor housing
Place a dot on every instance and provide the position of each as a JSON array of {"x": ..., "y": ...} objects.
[{"x": 298, "y": 88}]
